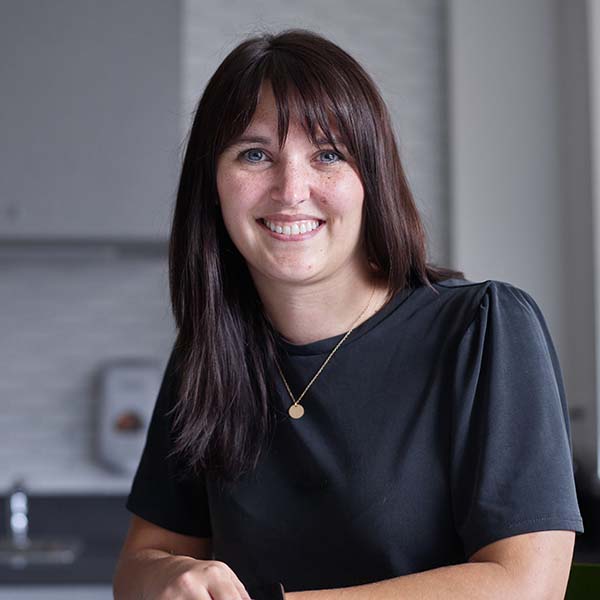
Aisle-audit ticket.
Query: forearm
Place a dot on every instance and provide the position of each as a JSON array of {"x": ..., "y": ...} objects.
[
  {"x": 468, "y": 581},
  {"x": 136, "y": 573}
]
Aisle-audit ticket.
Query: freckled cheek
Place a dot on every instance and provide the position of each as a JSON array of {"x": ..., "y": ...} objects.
[
  {"x": 345, "y": 198},
  {"x": 237, "y": 193}
]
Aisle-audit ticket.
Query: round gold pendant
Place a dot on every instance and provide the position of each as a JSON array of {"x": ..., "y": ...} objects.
[{"x": 296, "y": 411}]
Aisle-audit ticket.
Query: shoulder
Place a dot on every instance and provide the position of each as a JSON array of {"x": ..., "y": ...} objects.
[
  {"x": 466, "y": 287},
  {"x": 492, "y": 298},
  {"x": 483, "y": 293}
]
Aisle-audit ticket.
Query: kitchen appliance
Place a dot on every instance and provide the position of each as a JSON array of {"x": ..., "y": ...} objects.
[{"x": 127, "y": 392}]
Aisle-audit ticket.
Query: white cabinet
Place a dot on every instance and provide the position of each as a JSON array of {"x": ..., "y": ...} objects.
[{"x": 90, "y": 119}]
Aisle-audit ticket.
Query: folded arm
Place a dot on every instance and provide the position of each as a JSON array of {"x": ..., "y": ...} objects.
[{"x": 532, "y": 566}]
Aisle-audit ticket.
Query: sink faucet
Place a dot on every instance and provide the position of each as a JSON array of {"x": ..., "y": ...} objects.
[
  {"x": 17, "y": 549},
  {"x": 18, "y": 520}
]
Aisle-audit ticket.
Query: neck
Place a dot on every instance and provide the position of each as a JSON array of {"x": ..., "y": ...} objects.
[{"x": 305, "y": 314}]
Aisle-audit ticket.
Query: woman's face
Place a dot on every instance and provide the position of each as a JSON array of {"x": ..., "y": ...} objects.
[{"x": 291, "y": 188}]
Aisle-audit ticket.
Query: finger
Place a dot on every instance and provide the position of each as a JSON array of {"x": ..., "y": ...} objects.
[
  {"x": 224, "y": 584},
  {"x": 225, "y": 591},
  {"x": 202, "y": 594},
  {"x": 239, "y": 586},
  {"x": 242, "y": 591}
]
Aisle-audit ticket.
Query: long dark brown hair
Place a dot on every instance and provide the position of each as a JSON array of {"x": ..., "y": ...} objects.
[{"x": 224, "y": 353}]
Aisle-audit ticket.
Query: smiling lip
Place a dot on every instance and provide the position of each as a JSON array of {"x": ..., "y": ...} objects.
[{"x": 291, "y": 238}]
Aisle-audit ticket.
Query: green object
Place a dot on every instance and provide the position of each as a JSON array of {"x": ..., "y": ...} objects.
[{"x": 584, "y": 582}]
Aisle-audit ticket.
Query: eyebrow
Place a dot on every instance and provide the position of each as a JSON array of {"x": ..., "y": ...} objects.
[{"x": 258, "y": 139}]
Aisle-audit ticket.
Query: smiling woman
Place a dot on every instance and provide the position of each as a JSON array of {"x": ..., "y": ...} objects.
[{"x": 336, "y": 411}]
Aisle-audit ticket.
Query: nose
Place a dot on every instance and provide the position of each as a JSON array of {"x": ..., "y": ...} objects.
[{"x": 291, "y": 183}]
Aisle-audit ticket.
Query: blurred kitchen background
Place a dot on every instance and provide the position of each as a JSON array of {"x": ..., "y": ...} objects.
[{"x": 497, "y": 112}]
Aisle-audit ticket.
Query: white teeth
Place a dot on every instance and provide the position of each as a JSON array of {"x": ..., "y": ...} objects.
[{"x": 294, "y": 229}]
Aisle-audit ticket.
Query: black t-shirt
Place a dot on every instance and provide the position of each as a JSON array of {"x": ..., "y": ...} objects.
[{"x": 439, "y": 426}]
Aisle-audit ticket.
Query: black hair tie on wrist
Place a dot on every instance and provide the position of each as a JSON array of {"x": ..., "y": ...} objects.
[{"x": 267, "y": 591}]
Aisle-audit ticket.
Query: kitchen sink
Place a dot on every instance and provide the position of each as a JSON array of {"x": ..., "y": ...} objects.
[
  {"x": 71, "y": 539},
  {"x": 39, "y": 552}
]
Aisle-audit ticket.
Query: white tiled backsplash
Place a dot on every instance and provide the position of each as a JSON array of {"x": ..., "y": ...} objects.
[{"x": 59, "y": 319}]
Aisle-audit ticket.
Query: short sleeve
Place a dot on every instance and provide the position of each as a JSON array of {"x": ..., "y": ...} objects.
[
  {"x": 158, "y": 493},
  {"x": 511, "y": 452}
]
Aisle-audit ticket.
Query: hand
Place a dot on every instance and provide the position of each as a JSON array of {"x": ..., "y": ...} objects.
[{"x": 186, "y": 578}]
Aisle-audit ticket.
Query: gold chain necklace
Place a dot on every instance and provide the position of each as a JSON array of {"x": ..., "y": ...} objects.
[{"x": 296, "y": 410}]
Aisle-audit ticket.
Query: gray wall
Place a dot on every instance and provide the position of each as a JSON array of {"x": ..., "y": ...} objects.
[
  {"x": 521, "y": 203},
  {"x": 577, "y": 233}
]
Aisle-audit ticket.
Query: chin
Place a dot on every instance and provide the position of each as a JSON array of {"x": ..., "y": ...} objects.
[{"x": 298, "y": 275}]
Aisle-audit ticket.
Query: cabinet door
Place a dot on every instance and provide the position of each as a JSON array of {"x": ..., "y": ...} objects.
[{"x": 89, "y": 119}]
